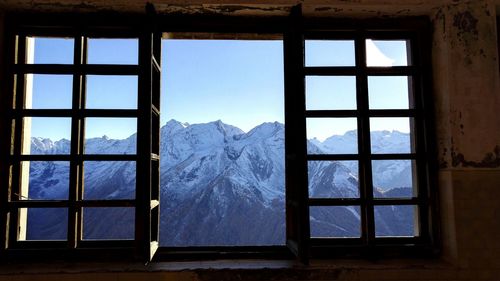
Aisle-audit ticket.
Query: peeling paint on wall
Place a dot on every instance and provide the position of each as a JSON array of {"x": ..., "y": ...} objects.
[{"x": 490, "y": 160}]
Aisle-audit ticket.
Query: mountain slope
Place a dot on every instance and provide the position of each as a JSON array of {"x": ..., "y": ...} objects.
[{"x": 219, "y": 186}]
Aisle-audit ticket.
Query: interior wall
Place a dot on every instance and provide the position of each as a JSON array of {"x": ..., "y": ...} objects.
[{"x": 466, "y": 96}]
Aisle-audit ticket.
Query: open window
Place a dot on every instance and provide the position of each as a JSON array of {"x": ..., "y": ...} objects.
[
  {"x": 306, "y": 137},
  {"x": 83, "y": 159}
]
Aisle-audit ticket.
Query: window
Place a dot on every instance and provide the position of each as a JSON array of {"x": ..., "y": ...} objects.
[
  {"x": 222, "y": 142},
  {"x": 93, "y": 167},
  {"x": 83, "y": 154}
]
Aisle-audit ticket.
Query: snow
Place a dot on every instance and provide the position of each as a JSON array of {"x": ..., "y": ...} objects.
[{"x": 193, "y": 155}]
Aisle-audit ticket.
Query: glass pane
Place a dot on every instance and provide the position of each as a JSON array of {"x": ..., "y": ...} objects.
[
  {"x": 332, "y": 135},
  {"x": 330, "y": 92},
  {"x": 50, "y": 92},
  {"x": 333, "y": 179},
  {"x": 52, "y": 50},
  {"x": 113, "y": 51},
  {"x": 388, "y": 92},
  {"x": 111, "y": 92},
  {"x": 110, "y": 135},
  {"x": 398, "y": 220},
  {"x": 394, "y": 178},
  {"x": 390, "y": 135},
  {"x": 109, "y": 180},
  {"x": 335, "y": 221},
  {"x": 43, "y": 223},
  {"x": 330, "y": 53},
  {"x": 47, "y": 180},
  {"x": 222, "y": 152},
  {"x": 386, "y": 53},
  {"x": 108, "y": 223},
  {"x": 46, "y": 135}
]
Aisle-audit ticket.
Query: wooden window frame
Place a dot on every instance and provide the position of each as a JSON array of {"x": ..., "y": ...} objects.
[
  {"x": 295, "y": 30},
  {"x": 146, "y": 202}
]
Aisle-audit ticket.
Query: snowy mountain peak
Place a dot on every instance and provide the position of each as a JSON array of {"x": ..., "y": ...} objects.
[{"x": 266, "y": 130}]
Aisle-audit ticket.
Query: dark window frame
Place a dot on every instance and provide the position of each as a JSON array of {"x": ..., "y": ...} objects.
[
  {"x": 294, "y": 29},
  {"x": 146, "y": 157}
]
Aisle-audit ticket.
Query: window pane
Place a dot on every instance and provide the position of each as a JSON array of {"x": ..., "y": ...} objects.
[
  {"x": 398, "y": 220},
  {"x": 335, "y": 221},
  {"x": 50, "y": 92},
  {"x": 52, "y": 50},
  {"x": 332, "y": 136},
  {"x": 333, "y": 179},
  {"x": 110, "y": 136},
  {"x": 386, "y": 53},
  {"x": 394, "y": 178},
  {"x": 43, "y": 223},
  {"x": 222, "y": 152},
  {"x": 113, "y": 51},
  {"x": 388, "y": 92},
  {"x": 47, "y": 180},
  {"x": 111, "y": 92},
  {"x": 330, "y": 53},
  {"x": 390, "y": 135},
  {"x": 330, "y": 92},
  {"x": 108, "y": 223},
  {"x": 47, "y": 135},
  {"x": 109, "y": 180}
]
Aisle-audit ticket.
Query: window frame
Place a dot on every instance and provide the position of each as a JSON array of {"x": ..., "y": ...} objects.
[
  {"x": 294, "y": 29},
  {"x": 416, "y": 31},
  {"x": 145, "y": 242}
]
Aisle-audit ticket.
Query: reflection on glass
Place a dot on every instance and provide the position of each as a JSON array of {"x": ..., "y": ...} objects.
[
  {"x": 386, "y": 53},
  {"x": 46, "y": 135},
  {"x": 333, "y": 179},
  {"x": 330, "y": 92},
  {"x": 394, "y": 178},
  {"x": 388, "y": 92},
  {"x": 330, "y": 53},
  {"x": 110, "y": 135},
  {"x": 43, "y": 223},
  {"x": 105, "y": 51},
  {"x": 332, "y": 136},
  {"x": 52, "y": 50},
  {"x": 50, "y": 92},
  {"x": 335, "y": 221},
  {"x": 47, "y": 180},
  {"x": 396, "y": 220},
  {"x": 390, "y": 135},
  {"x": 107, "y": 180},
  {"x": 111, "y": 92},
  {"x": 109, "y": 223}
]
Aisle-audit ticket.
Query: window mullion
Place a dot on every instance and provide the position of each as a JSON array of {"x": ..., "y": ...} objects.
[
  {"x": 364, "y": 145},
  {"x": 77, "y": 141},
  {"x": 297, "y": 209}
]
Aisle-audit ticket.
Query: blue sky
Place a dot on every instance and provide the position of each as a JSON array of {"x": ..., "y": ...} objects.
[{"x": 239, "y": 82}]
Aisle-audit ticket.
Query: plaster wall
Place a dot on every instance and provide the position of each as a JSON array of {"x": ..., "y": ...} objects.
[{"x": 466, "y": 96}]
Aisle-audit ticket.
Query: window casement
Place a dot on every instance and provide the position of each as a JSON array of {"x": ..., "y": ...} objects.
[
  {"x": 308, "y": 213},
  {"x": 55, "y": 91},
  {"x": 385, "y": 94}
]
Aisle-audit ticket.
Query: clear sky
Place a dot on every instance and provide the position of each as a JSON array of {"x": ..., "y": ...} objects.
[{"x": 239, "y": 82}]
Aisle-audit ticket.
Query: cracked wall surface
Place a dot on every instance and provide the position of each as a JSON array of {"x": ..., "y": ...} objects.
[{"x": 466, "y": 85}]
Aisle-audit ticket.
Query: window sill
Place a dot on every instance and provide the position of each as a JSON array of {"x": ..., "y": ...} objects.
[{"x": 271, "y": 267}]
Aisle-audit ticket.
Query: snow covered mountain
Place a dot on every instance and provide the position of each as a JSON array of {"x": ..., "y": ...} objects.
[
  {"x": 388, "y": 174},
  {"x": 219, "y": 186}
]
